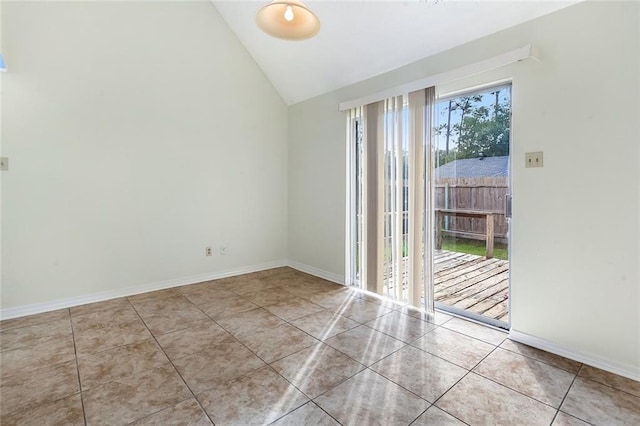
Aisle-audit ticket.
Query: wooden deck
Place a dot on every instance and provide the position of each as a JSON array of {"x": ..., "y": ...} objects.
[{"x": 473, "y": 283}]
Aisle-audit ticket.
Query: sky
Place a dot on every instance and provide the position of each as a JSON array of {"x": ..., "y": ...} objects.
[{"x": 442, "y": 113}]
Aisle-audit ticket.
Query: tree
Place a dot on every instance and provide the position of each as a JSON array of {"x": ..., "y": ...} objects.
[
  {"x": 484, "y": 133},
  {"x": 480, "y": 131}
]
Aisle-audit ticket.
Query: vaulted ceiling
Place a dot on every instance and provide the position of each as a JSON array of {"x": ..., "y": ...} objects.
[{"x": 362, "y": 39}]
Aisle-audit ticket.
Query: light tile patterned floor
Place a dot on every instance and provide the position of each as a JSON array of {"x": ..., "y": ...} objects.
[{"x": 285, "y": 347}]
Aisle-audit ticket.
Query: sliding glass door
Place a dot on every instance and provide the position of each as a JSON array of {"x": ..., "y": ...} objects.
[
  {"x": 429, "y": 198},
  {"x": 471, "y": 204}
]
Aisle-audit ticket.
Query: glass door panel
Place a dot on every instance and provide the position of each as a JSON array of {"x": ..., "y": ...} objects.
[{"x": 471, "y": 191}]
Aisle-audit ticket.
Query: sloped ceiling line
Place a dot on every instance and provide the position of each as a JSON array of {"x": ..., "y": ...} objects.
[{"x": 362, "y": 39}]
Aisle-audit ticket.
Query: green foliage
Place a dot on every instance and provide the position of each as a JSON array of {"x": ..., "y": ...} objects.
[{"x": 481, "y": 129}]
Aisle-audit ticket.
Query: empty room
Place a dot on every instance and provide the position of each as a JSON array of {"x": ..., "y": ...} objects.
[{"x": 419, "y": 212}]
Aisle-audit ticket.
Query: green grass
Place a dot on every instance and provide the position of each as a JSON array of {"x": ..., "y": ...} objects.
[
  {"x": 459, "y": 245},
  {"x": 476, "y": 247}
]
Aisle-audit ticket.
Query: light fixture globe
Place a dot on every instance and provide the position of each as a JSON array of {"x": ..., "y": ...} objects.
[{"x": 288, "y": 19}]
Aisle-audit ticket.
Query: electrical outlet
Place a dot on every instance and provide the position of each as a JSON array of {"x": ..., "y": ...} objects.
[
  {"x": 533, "y": 159},
  {"x": 208, "y": 251},
  {"x": 223, "y": 250}
]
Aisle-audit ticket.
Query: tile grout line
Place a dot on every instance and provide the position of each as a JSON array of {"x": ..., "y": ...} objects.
[
  {"x": 291, "y": 324},
  {"x": 76, "y": 356},
  {"x": 442, "y": 358},
  {"x": 421, "y": 414},
  {"x": 319, "y": 341},
  {"x": 469, "y": 371},
  {"x": 247, "y": 348},
  {"x": 573, "y": 417},
  {"x": 4, "y": 330},
  {"x": 575, "y": 377},
  {"x": 75, "y": 350},
  {"x": 335, "y": 311},
  {"x": 432, "y": 404},
  {"x": 268, "y": 365},
  {"x": 496, "y": 347},
  {"x": 516, "y": 390},
  {"x": 230, "y": 334},
  {"x": 88, "y": 354},
  {"x": 310, "y": 400},
  {"x": 438, "y": 408},
  {"x": 390, "y": 335},
  {"x": 322, "y": 342},
  {"x": 159, "y": 411},
  {"x": 508, "y": 387},
  {"x": 474, "y": 323},
  {"x": 539, "y": 360},
  {"x": 174, "y": 368},
  {"x": 604, "y": 384},
  {"x": 325, "y": 411},
  {"x": 366, "y": 367},
  {"x": 264, "y": 307}
]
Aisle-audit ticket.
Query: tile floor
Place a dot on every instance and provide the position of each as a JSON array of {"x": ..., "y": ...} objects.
[{"x": 284, "y": 347}]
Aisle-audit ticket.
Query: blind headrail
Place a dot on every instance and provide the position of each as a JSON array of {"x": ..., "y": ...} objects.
[{"x": 489, "y": 64}]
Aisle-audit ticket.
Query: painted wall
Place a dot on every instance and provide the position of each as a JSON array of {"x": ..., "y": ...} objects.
[
  {"x": 1, "y": 151},
  {"x": 138, "y": 133},
  {"x": 576, "y": 229}
]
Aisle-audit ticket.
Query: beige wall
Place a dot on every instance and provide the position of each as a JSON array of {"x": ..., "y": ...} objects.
[
  {"x": 576, "y": 234},
  {"x": 138, "y": 133}
]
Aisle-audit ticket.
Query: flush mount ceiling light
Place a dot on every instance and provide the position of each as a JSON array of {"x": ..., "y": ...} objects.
[{"x": 288, "y": 19}]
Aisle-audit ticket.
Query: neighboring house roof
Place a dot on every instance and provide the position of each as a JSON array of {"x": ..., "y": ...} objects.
[{"x": 474, "y": 167}]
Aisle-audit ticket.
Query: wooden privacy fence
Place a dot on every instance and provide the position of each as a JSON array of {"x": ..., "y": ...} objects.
[{"x": 485, "y": 194}]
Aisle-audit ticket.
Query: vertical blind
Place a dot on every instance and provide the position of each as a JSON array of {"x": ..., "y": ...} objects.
[{"x": 390, "y": 143}]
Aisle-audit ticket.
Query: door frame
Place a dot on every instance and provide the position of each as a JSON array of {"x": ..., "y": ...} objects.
[{"x": 429, "y": 278}]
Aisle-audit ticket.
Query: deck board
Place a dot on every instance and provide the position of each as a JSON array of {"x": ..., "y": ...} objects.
[
  {"x": 474, "y": 283},
  {"x": 466, "y": 281},
  {"x": 467, "y": 276}
]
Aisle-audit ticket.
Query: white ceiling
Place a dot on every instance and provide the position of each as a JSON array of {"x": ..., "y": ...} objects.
[{"x": 362, "y": 39}]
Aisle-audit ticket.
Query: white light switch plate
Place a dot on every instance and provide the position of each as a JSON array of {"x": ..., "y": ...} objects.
[
  {"x": 533, "y": 159},
  {"x": 4, "y": 163}
]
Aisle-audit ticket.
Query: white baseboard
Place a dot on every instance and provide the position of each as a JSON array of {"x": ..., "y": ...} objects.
[
  {"x": 629, "y": 371},
  {"x": 329, "y": 276},
  {"x": 38, "y": 308}
]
